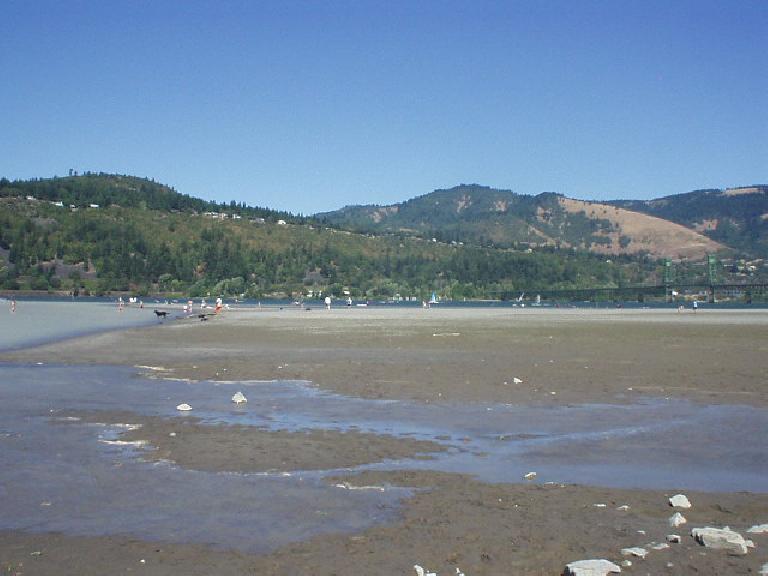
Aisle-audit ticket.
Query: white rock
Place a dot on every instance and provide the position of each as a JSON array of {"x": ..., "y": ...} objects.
[
  {"x": 626, "y": 563},
  {"x": 530, "y": 476},
  {"x": 660, "y": 546},
  {"x": 674, "y": 538},
  {"x": 184, "y": 407},
  {"x": 749, "y": 543},
  {"x": 721, "y": 538},
  {"x": 759, "y": 529},
  {"x": 421, "y": 572},
  {"x": 636, "y": 551},
  {"x": 591, "y": 568},
  {"x": 239, "y": 398},
  {"x": 764, "y": 570},
  {"x": 623, "y": 508},
  {"x": 677, "y": 519},
  {"x": 517, "y": 380},
  {"x": 679, "y": 501}
]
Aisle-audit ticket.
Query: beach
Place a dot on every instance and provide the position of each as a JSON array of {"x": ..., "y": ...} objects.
[{"x": 552, "y": 371}]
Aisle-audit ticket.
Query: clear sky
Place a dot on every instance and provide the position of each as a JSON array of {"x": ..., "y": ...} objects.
[{"x": 309, "y": 106}]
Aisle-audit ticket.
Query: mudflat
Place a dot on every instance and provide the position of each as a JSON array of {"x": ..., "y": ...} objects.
[
  {"x": 454, "y": 354},
  {"x": 511, "y": 356}
]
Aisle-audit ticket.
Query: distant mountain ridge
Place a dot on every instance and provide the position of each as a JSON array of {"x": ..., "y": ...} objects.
[{"x": 685, "y": 226}]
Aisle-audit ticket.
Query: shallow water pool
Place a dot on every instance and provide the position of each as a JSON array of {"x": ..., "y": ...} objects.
[{"x": 56, "y": 477}]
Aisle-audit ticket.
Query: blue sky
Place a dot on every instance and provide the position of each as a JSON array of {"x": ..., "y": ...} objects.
[{"x": 309, "y": 106}]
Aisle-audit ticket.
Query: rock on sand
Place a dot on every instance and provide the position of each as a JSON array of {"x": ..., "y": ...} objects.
[
  {"x": 677, "y": 519},
  {"x": 759, "y": 529},
  {"x": 637, "y": 551},
  {"x": 721, "y": 539},
  {"x": 184, "y": 407},
  {"x": 591, "y": 568},
  {"x": 680, "y": 501}
]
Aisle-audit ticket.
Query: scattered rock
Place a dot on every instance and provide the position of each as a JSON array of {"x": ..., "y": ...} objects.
[
  {"x": 530, "y": 476},
  {"x": 623, "y": 508},
  {"x": 600, "y": 505},
  {"x": 184, "y": 407},
  {"x": 759, "y": 529},
  {"x": 660, "y": 546},
  {"x": 626, "y": 563},
  {"x": 764, "y": 570},
  {"x": 636, "y": 551},
  {"x": 677, "y": 519},
  {"x": 674, "y": 538},
  {"x": 721, "y": 539},
  {"x": 239, "y": 398},
  {"x": 421, "y": 572},
  {"x": 591, "y": 568},
  {"x": 517, "y": 381},
  {"x": 679, "y": 501}
]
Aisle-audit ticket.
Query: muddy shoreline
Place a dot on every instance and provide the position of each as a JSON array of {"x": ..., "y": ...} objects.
[
  {"x": 453, "y": 522},
  {"x": 190, "y": 444},
  {"x": 613, "y": 356},
  {"x": 459, "y": 355}
]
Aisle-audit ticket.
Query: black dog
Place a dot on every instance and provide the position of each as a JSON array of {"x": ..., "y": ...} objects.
[{"x": 161, "y": 313}]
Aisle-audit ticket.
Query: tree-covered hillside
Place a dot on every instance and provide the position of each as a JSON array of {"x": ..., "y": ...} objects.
[
  {"x": 105, "y": 190},
  {"x": 151, "y": 239}
]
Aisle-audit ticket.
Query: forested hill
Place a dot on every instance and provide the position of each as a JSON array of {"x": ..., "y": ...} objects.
[
  {"x": 737, "y": 217},
  {"x": 106, "y": 190},
  {"x": 475, "y": 214},
  {"x": 102, "y": 233}
]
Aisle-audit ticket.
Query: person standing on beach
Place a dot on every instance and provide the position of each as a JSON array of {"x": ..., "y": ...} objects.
[
  {"x": 13, "y": 305},
  {"x": 695, "y": 306}
]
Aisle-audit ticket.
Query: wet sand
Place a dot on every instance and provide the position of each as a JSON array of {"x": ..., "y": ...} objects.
[
  {"x": 460, "y": 355},
  {"x": 455, "y": 522},
  {"x": 608, "y": 356},
  {"x": 248, "y": 449}
]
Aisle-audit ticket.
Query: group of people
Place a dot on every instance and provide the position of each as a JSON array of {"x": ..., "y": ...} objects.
[
  {"x": 204, "y": 305},
  {"x": 132, "y": 300}
]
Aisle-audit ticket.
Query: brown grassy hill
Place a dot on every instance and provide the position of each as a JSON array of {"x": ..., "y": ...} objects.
[{"x": 660, "y": 238}]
